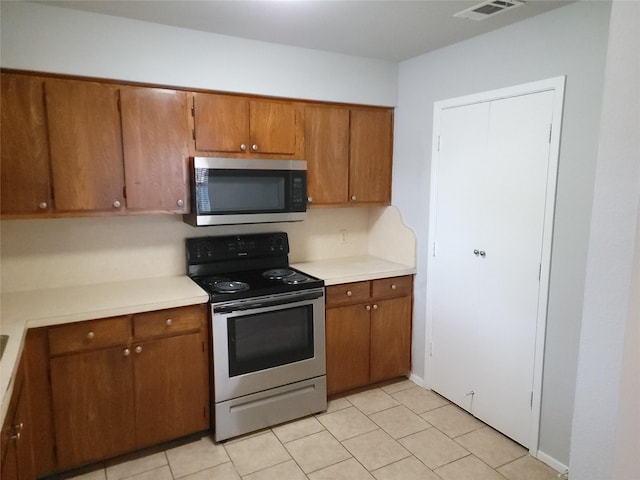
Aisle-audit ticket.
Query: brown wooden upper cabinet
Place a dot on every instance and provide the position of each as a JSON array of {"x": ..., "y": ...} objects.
[
  {"x": 349, "y": 155},
  {"x": 244, "y": 127},
  {"x": 26, "y": 186},
  {"x": 75, "y": 147},
  {"x": 155, "y": 137},
  {"x": 86, "y": 145}
]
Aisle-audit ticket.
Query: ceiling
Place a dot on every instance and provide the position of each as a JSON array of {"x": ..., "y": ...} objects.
[{"x": 392, "y": 30}]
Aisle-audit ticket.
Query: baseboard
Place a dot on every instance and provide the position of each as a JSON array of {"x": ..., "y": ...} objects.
[
  {"x": 417, "y": 380},
  {"x": 552, "y": 462}
]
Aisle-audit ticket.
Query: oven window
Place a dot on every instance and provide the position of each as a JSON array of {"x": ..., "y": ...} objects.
[
  {"x": 241, "y": 191},
  {"x": 270, "y": 339}
]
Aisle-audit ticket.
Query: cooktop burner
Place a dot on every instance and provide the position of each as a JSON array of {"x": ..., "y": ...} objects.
[
  {"x": 230, "y": 287},
  {"x": 278, "y": 273}
]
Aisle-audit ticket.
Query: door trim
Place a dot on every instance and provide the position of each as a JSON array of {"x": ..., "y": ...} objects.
[{"x": 556, "y": 84}]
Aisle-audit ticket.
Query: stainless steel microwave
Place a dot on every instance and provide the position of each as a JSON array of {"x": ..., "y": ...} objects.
[{"x": 228, "y": 191}]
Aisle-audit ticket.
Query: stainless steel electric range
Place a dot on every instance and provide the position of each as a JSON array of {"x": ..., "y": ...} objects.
[{"x": 268, "y": 331}]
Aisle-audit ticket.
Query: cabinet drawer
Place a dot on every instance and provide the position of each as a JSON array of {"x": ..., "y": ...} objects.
[
  {"x": 94, "y": 334},
  {"x": 168, "y": 322},
  {"x": 347, "y": 293},
  {"x": 391, "y": 287}
]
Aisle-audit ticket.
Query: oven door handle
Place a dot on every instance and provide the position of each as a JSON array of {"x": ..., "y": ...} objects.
[{"x": 239, "y": 307}]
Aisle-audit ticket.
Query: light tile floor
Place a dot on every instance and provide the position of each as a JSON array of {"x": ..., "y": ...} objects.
[{"x": 391, "y": 431}]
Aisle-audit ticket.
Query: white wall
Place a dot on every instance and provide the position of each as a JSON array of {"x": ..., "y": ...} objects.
[
  {"x": 52, "y": 39},
  {"x": 568, "y": 41},
  {"x": 606, "y": 422}
]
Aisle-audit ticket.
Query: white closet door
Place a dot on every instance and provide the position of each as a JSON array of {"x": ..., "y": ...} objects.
[
  {"x": 491, "y": 186},
  {"x": 460, "y": 164},
  {"x": 513, "y": 202}
]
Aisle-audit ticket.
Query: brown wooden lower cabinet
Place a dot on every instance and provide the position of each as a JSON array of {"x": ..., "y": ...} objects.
[
  {"x": 171, "y": 397},
  {"x": 120, "y": 384},
  {"x": 16, "y": 445},
  {"x": 368, "y": 332}
]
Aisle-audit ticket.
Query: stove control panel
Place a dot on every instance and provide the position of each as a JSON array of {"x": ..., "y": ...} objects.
[{"x": 224, "y": 248}]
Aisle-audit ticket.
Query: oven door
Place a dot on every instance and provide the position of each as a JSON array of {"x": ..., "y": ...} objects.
[{"x": 266, "y": 342}]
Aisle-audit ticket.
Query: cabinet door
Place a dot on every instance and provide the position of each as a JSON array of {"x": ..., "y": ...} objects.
[
  {"x": 327, "y": 154},
  {"x": 171, "y": 388},
  {"x": 347, "y": 338},
  {"x": 86, "y": 145},
  {"x": 17, "y": 446},
  {"x": 390, "y": 338},
  {"x": 371, "y": 156},
  {"x": 272, "y": 127},
  {"x": 93, "y": 405},
  {"x": 26, "y": 187},
  {"x": 155, "y": 138},
  {"x": 221, "y": 123}
]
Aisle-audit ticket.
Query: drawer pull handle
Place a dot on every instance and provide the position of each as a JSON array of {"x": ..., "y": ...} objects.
[
  {"x": 393, "y": 286},
  {"x": 138, "y": 349},
  {"x": 90, "y": 335},
  {"x": 349, "y": 293},
  {"x": 16, "y": 436},
  {"x": 169, "y": 322}
]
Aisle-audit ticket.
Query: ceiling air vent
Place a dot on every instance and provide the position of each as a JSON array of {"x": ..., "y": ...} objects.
[{"x": 488, "y": 9}]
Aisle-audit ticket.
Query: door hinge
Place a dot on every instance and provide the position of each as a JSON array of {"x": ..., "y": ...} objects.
[
  {"x": 193, "y": 133},
  {"x": 53, "y": 196},
  {"x": 124, "y": 192},
  {"x": 550, "y": 130},
  {"x": 193, "y": 110},
  {"x": 431, "y": 349},
  {"x": 531, "y": 400},
  {"x": 438, "y": 147},
  {"x": 433, "y": 251},
  {"x": 119, "y": 106}
]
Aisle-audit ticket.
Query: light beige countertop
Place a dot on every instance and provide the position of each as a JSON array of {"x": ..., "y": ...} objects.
[
  {"x": 40, "y": 308},
  {"x": 353, "y": 269}
]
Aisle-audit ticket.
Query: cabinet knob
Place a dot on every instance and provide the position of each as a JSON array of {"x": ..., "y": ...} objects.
[
  {"x": 116, "y": 204},
  {"x": 243, "y": 147},
  {"x": 353, "y": 197},
  {"x": 309, "y": 199},
  {"x": 394, "y": 286},
  {"x": 90, "y": 335},
  {"x": 43, "y": 205},
  {"x": 375, "y": 307},
  {"x": 368, "y": 307},
  {"x": 482, "y": 253},
  {"x": 169, "y": 322},
  {"x": 254, "y": 147},
  {"x": 349, "y": 293},
  {"x": 180, "y": 202},
  {"x": 138, "y": 349},
  {"x": 126, "y": 352},
  {"x": 476, "y": 252}
]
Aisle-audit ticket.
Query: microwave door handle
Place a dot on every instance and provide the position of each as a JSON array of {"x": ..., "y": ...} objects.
[{"x": 267, "y": 303}]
